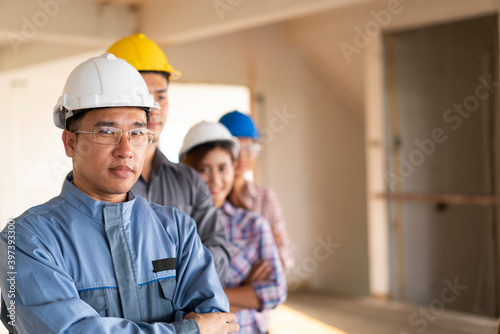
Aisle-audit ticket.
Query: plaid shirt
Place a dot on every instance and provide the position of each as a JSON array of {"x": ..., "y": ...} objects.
[
  {"x": 252, "y": 240},
  {"x": 265, "y": 202}
]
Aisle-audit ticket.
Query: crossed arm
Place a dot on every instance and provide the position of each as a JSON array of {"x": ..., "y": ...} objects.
[
  {"x": 47, "y": 300},
  {"x": 244, "y": 296},
  {"x": 265, "y": 285}
]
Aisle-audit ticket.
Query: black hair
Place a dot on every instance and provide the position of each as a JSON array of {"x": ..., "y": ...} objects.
[
  {"x": 166, "y": 75},
  {"x": 194, "y": 156},
  {"x": 73, "y": 122}
]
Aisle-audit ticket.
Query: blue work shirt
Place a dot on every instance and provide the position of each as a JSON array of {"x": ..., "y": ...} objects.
[{"x": 85, "y": 266}]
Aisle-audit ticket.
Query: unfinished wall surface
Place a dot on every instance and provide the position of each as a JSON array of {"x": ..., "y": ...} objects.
[
  {"x": 442, "y": 128},
  {"x": 414, "y": 15}
]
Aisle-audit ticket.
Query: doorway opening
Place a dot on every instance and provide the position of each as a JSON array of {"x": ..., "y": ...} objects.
[{"x": 442, "y": 156}]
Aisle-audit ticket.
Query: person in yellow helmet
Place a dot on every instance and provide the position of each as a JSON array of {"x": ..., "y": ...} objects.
[{"x": 162, "y": 181}]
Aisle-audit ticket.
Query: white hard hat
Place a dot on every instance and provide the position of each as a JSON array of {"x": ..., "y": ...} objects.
[
  {"x": 99, "y": 82},
  {"x": 206, "y": 132}
]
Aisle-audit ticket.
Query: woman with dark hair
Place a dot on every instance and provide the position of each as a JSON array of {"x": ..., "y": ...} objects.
[{"x": 257, "y": 283}]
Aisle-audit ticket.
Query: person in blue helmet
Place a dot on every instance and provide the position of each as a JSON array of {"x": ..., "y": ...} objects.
[{"x": 246, "y": 194}]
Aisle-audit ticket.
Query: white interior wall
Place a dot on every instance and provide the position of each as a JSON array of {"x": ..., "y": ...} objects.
[
  {"x": 314, "y": 159},
  {"x": 34, "y": 162}
]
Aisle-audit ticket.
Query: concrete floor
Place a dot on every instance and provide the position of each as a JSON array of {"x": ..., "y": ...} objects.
[{"x": 319, "y": 313}]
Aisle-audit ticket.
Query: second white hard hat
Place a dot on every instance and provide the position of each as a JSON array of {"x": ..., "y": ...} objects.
[
  {"x": 206, "y": 132},
  {"x": 99, "y": 82}
]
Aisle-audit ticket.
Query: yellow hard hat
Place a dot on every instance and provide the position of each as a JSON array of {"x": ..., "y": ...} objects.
[{"x": 144, "y": 54}]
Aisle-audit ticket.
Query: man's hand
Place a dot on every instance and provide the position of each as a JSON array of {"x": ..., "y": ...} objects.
[
  {"x": 260, "y": 271},
  {"x": 214, "y": 323}
]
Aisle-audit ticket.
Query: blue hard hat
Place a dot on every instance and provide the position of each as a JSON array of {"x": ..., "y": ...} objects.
[{"x": 240, "y": 125}]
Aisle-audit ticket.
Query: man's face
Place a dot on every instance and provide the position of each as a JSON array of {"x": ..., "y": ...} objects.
[
  {"x": 157, "y": 85},
  {"x": 106, "y": 172},
  {"x": 247, "y": 156}
]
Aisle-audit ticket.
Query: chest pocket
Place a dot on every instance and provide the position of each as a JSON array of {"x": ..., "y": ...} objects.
[
  {"x": 167, "y": 290},
  {"x": 167, "y": 287},
  {"x": 103, "y": 301},
  {"x": 158, "y": 300}
]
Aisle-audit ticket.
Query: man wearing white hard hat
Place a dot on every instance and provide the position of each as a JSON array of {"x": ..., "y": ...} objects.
[{"x": 97, "y": 259}]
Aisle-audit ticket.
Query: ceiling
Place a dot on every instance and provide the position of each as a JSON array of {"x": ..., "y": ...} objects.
[{"x": 34, "y": 31}]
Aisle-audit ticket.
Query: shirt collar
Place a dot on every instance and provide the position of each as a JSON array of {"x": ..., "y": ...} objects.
[
  {"x": 159, "y": 160},
  {"x": 228, "y": 208},
  {"x": 250, "y": 189},
  {"x": 90, "y": 206}
]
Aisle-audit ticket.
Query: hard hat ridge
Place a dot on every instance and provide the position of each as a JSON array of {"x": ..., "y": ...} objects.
[
  {"x": 240, "y": 125},
  {"x": 100, "y": 82},
  {"x": 144, "y": 54},
  {"x": 207, "y": 132}
]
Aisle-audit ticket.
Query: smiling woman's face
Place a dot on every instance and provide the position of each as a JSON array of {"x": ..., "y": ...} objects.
[{"x": 217, "y": 170}]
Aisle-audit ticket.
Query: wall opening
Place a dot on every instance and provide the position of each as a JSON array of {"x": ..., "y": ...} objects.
[{"x": 442, "y": 164}]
